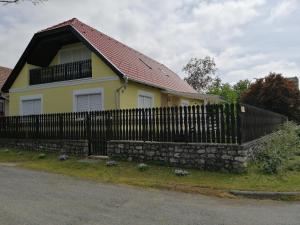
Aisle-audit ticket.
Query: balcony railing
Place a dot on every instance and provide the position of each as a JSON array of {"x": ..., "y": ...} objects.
[{"x": 62, "y": 72}]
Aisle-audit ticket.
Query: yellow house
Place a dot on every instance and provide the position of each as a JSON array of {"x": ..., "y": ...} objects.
[{"x": 72, "y": 67}]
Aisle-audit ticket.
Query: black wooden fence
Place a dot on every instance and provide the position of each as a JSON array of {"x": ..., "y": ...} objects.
[
  {"x": 223, "y": 123},
  {"x": 257, "y": 122}
]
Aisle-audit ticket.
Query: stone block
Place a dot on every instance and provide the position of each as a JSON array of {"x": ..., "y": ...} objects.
[
  {"x": 177, "y": 155},
  {"x": 240, "y": 159}
]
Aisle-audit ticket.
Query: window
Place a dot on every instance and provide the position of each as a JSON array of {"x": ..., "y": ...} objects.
[
  {"x": 145, "y": 100},
  {"x": 31, "y": 106},
  {"x": 88, "y": 100},
  {"x": 185, "y": 103},
  {"x": 74, "y": 54}
]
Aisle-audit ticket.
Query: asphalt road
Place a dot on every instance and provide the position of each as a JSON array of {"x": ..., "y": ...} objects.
[{"x": 30, "y": 197}]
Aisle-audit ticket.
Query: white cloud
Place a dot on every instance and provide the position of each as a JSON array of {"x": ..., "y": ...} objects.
[
  {"x": 282, "y": 9},
  {"x": 169, "y": 31}
]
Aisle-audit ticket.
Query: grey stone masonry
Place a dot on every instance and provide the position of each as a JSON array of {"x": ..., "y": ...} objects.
[
  {"x": 205, "y": 156},
  {"x": 70, "y": 147},
  {"x": 225, "y": 157}
]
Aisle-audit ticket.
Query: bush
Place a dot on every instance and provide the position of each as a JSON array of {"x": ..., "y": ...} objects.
[
  {"x": 279, "y": 148},
  {"x": 143, "y": 167}
]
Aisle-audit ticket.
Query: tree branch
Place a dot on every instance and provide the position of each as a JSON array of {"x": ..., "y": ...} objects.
[
  {"x": 17, "y": 1},
  {"x": 9, "y": 1}
]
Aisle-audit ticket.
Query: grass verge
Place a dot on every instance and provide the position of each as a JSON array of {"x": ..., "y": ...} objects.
[{"x": 211, "y": 183}]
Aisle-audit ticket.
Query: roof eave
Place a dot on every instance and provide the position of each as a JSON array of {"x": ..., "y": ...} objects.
[
  {"x": 193, "y": 95},
  {"x": 21, "y": 62}
]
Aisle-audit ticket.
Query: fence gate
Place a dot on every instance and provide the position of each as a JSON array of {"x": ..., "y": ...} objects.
[{"x": 97, "y": 132}]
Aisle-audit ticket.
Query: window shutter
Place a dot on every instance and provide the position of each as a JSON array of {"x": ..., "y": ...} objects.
[
  {"x": 95, "y": 102},
  {"x": 89, "y": 102},
  {"x": 37, "y": 107},
  {"x": 31, "y": 107},
  {"x": 145, "y": 101},
  {"x": 82, "y": 103}
]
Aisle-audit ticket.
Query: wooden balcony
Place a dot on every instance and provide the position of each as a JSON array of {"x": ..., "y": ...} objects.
[{"x": 62, "y": 72}]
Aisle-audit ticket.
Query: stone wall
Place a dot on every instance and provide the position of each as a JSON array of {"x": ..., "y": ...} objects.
[
  {"x": 70, "y": 147},
  {"x": 226, "y": 157},
  {"x": 252, "y": 148},
  {"x": 205, "y": 156}
]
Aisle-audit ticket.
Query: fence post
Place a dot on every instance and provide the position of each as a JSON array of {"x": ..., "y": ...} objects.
[
  {"x": 88, "y": 132},
  {"x": 37, "y": 126},
  {"x": 108, "y": 125},
  {"x": 238, "y": 124},
  {"x": 61, "y": 126}
]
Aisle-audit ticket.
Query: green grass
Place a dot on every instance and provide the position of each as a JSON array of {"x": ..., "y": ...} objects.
[{"x": 156, "y": 176}]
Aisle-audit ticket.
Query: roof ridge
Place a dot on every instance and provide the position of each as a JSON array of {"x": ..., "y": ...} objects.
[
  {"x": 66, "y": 22},
  {"x": 72, "y": 23},
  {"x": 126, "y": 60},
  {"x": 121, "y": 43}
]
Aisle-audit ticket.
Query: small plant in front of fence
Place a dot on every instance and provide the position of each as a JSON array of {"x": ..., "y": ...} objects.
[
  {"x": 143, "y": 167},
  {"x": 181, "y": 172},
  {"x": 42, "y": 156},
  {"x": 111, "y": 163},
  {"x": 279, "y": 148},
  {"x": 63, "y": 157}
]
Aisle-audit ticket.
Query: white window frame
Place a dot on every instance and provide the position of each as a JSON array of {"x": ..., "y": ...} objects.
[
  {"x": 146, "y": 94},
  {"x": 28, "y": 98},
  {"x": 89, "y": 91},
  {"x": 72, "y": 48},
  {"x": 185, "y": 103}
]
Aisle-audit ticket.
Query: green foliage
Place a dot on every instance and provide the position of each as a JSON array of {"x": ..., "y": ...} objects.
[
  {"x": 279, "y": 148},
  {"x": 241, "y": 87},
  {"x": 228, "y": 92}
]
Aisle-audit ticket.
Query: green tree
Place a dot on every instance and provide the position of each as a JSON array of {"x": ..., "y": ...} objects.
[
  {"x": 224, "y": 90},
  {"x": 240, "y": 87},
  {"x": 200, "y": 73}
]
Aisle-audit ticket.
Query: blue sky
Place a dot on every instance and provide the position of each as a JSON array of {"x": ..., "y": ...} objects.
[{"x": 247, "y": 38}]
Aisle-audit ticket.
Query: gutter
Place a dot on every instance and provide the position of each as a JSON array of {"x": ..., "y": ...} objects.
[{"x": 118, "y": 94}]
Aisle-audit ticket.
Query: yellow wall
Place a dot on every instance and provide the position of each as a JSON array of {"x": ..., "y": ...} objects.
[
  {"x": 60, "y": 99},
  {"x": 169, "y": 100},
  {"x": 129, "y": 97},
  {"x": 57, "y": 99}
]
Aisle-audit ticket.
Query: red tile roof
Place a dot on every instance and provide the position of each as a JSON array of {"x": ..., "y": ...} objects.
[
  {"x": 4, "y": 73},
  {"x": 133, "y": 64}
]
